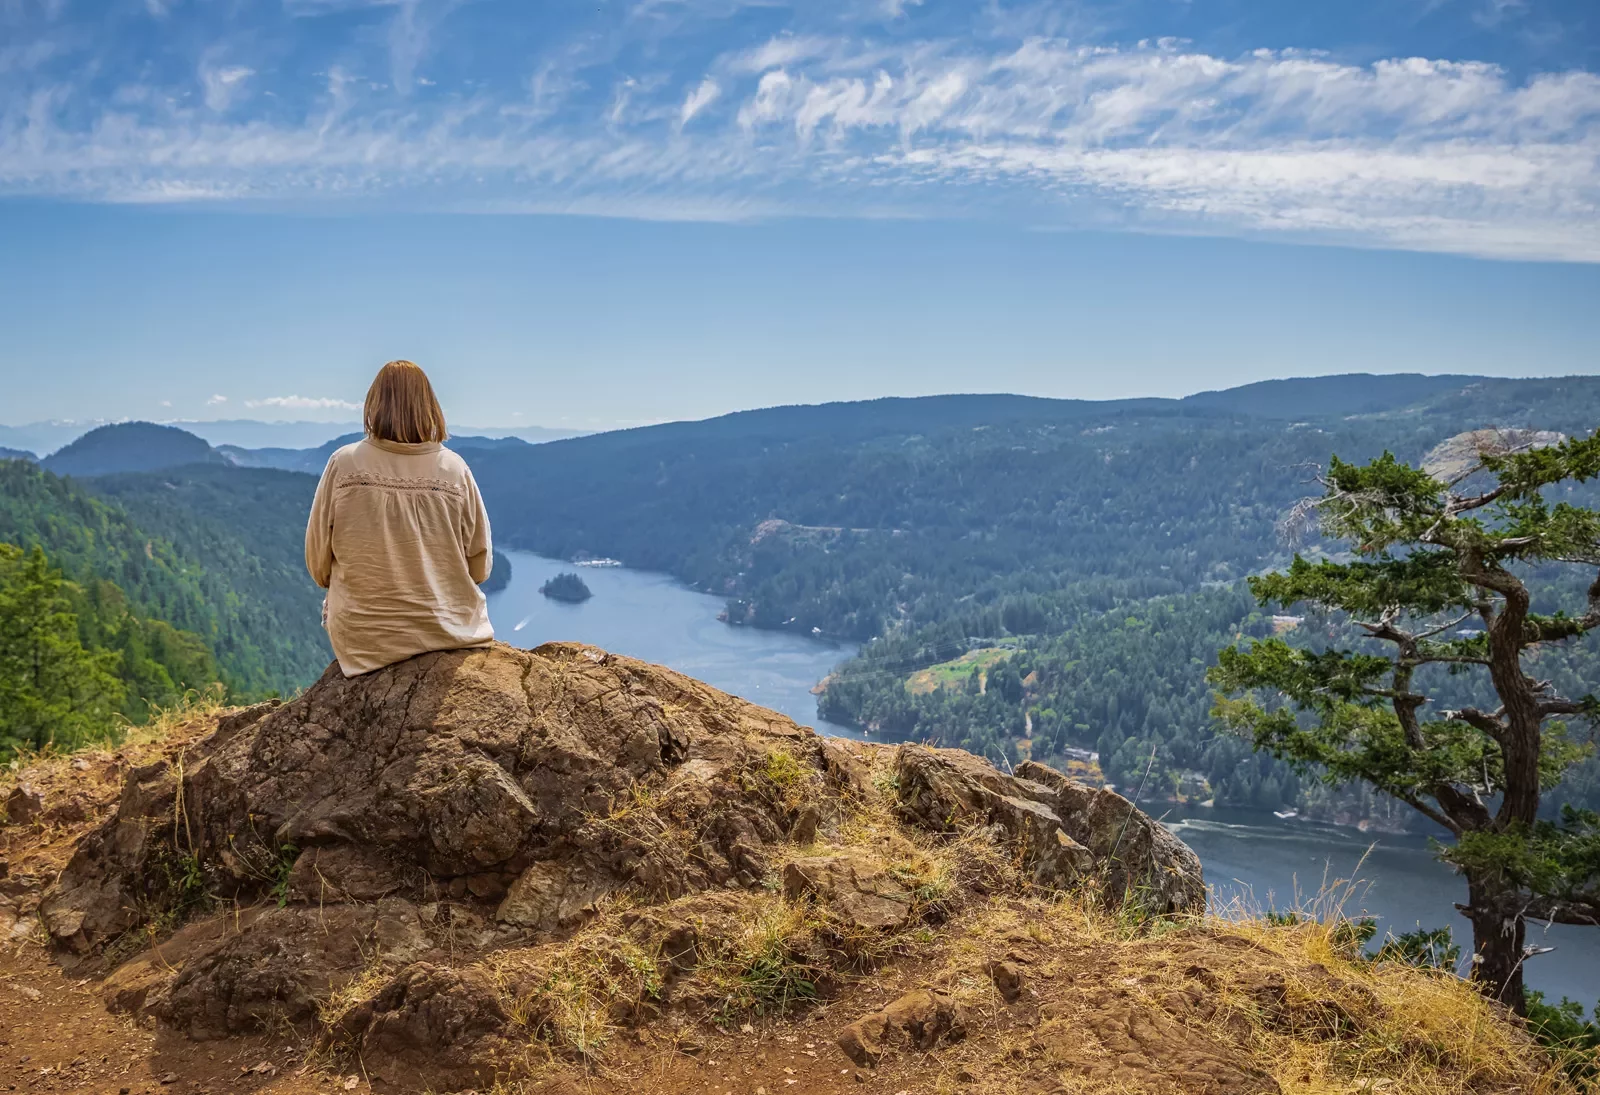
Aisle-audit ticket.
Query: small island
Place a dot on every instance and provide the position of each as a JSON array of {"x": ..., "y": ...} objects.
[{"x": 566, "y": 587}]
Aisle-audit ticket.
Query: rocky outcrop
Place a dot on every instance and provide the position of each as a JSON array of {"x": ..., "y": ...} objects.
[
  {"x": 457, "y": 770},
  {"x": 1067, "y": 832},
  {"x": 447, "y": 1023},
  {"x": 385, "y": 833},
  {"x": 1137, "y": 856}
]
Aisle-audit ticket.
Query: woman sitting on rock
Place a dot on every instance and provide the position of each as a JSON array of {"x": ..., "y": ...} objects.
[{"x": 398, "y": 535}]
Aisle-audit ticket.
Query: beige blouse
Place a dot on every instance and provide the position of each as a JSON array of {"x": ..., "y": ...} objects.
[{"x": 399, "y": 538}]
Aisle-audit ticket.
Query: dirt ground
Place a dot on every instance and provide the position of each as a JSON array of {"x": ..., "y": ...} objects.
[{"x": 56, "y": 1036}]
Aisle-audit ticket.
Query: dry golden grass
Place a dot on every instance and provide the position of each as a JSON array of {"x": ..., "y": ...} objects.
[
  {"x": 572, "y": 996},
  {"x": 1392, "y": 1029},
  {"x": 353, "y": 993},
  {"x": 190, "y": 715},
  {"x": 1430, "y": 1031}
]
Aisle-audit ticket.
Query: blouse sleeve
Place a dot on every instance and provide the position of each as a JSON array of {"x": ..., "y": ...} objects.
[
  {"x": 319, "y": 530},
  {"x": 475, "y": 534}
]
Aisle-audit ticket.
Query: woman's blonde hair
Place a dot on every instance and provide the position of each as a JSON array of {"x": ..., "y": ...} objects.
[{"x": 401, "y": 406}]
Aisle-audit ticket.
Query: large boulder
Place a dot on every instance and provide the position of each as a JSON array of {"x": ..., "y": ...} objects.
[{"x": 460, "y": 770}]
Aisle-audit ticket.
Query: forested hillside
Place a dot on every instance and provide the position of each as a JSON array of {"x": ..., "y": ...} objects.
[
  {"x": 77, "y": 659},
  {"x": 198, "y": 562},
  {"x": 244, "y": 530},
  {"x": 866, "y": 518}
]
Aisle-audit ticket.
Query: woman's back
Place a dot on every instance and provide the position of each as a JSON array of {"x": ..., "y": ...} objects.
[{"x": 399, "y": 536}]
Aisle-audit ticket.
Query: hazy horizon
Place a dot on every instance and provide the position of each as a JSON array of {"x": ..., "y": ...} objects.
[{"x": 334, "y": 422}]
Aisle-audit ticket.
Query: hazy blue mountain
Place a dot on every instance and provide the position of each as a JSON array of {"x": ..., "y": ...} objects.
[
  {"x": 248, "y": 434},
  {"x": 16, "y": 454},
  {"x": 44, "y": 437},
  {"x": 128, "y": 447},
  {"x": 1349, "y": 393},
  {"x": 314, "y": 460},
  {"x": 251, "y": 434}
]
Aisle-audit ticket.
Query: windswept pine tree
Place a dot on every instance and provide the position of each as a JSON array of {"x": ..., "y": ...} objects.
[{"x": 1439, "y": 583}]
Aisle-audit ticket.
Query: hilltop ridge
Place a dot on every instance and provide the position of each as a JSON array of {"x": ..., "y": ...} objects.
[{"x": 130, "y": 447}]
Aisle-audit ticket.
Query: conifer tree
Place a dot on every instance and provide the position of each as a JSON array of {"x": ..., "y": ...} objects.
[
  {"x": 1439, "y": 577},
  {"x": 52, "y": 689}
]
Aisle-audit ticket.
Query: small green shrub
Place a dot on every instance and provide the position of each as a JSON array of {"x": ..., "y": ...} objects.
[
  {"x": 1424, "y": 948},
  {"x": 1572, "y": 1037}
]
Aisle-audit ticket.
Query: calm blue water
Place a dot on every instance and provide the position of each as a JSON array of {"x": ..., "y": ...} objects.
[
  {"x": 1251, "y": 859},
  {"x": 654, "y": 617}
]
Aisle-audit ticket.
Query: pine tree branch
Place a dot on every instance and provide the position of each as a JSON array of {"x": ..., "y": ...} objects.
[
  {"x": 1492, "y": 725},
  {"x": 1457, "y": 622},
  {"x": 1562, "y": 707},
  {"x": 1430, "y": 813},
  {"x": 1583, "y": 910}
]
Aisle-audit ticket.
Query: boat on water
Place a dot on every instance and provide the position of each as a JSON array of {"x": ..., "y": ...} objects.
[
  {"x": 597, "y": 562},
  {"x": 1285, "y": 815}
]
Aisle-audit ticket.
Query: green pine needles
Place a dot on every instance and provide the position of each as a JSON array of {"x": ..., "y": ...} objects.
[
  {"x": 1437, "y": 578},
  {"x": 53, "y": 690}
]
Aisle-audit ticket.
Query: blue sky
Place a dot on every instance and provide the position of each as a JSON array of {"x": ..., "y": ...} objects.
[{"x": 610, "y": 212}]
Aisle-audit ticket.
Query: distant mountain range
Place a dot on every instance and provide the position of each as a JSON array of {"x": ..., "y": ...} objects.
[
  {"x": 40, "y": 438},
  {"x": 314, "y": 460},
  {"x": 146, "y": 446},
  {"x": 856, "y": 517}
]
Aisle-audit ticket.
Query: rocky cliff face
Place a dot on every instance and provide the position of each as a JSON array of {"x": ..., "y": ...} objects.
[{"x": 475, "y": 861}]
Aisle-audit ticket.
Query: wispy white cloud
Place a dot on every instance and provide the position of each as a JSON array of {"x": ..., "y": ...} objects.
[
  {"x": 698, "y": 99},
  {"x": 215, "y": 400},
  {"x": 1436, "y": 154},
  {"x": 411, "y": 33},
  {"x": 303, "y": 403},
  {"x": 221, "y": 83}
]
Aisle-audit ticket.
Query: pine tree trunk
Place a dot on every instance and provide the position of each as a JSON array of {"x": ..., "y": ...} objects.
[{"x": 1498, "y": 932}]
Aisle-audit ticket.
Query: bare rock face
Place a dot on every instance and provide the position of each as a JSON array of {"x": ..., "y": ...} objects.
[
  {"x": 1138, "y": 856},
  {"x": 856, "y": 886},
  {"x": 446, "y": 1021},
  {"x": 283, "y": 965},
  {"x": 447, "y": 766},
  {"x": 551, "y": 896},
  {"x": 1067, "y": 831}
]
